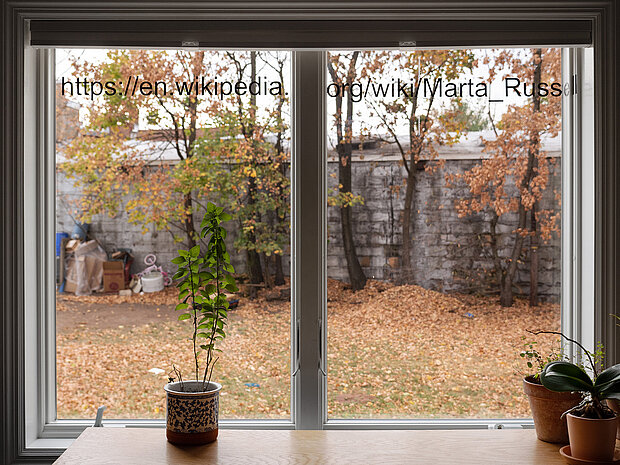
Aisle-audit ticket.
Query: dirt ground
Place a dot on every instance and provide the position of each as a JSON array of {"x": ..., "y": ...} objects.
[{"x": 97, "y": 316}]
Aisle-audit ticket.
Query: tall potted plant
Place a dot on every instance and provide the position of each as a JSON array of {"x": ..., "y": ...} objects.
[
  {"x": 192, "y": 407},
  {"x": 591, "y": 424},
  {"x": 547, "y": 406}
]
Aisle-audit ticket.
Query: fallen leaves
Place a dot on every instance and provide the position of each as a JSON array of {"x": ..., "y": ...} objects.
[{"x": 393, "y": 352}]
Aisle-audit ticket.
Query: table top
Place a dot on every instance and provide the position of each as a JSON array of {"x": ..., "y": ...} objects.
[{"x": 106, "y": 446}]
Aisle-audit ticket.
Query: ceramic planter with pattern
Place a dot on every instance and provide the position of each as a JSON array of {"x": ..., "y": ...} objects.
[{"x": 192, "y": 412}]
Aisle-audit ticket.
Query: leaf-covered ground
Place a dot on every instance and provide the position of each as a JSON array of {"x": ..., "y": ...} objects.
[{"x": 393, "y": 352}]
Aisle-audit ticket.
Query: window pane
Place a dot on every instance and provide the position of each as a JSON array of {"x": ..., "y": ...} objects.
[
  {"x": 443, "y": 229},
  {"x": 145, "y": 139}
]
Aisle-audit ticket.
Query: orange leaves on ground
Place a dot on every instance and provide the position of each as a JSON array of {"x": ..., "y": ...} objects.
[{"x": 393, "y": 351}]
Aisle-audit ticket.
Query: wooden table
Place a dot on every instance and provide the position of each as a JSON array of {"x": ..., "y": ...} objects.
[{"x": 133, "y": 446}]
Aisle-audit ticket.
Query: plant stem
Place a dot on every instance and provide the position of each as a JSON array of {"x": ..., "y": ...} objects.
[
  {"x": 536, "y": 333},
  {"x": 194, "y": 311},
  {"x": 216, "y": 243}
]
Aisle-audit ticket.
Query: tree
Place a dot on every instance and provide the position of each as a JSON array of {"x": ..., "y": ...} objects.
[
  {"x": 417, "y": 109},
  {"x": 249, "y": 172},
  {"x": 515, "y": 174},
  {"x": 471, "y": 118},
  {"x": 108, "y": 166},
  {"x": 116, "y": 172},
  {"x": 342, "y": 69}
]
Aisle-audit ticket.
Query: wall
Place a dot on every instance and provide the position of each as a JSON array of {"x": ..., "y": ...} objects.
[{"x": 448, "y": 251}]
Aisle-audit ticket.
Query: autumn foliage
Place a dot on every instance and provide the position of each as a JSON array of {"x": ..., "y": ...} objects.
[{"x": 515, "y": 173}]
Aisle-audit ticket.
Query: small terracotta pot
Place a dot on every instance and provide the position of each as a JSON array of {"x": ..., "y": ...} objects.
[
  {"x": 547, "y": 408},
  {"x": 191, "y": 412},
  {"x": 615, "y": 406},
  {"x": 592, "y": 439}
]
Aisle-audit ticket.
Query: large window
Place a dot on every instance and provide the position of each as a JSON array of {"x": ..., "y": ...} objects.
[
  {"x": 443, "y": 184},
  {"x": 444, "y": 220},
  {"x": 145, "y": 139},
  {"x": 432, "y": 202}
]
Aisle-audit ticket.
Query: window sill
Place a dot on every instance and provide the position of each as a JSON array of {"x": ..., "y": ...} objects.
[{"x": 128, "y": 446}]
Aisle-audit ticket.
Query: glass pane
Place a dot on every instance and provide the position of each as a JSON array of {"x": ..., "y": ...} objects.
[
  {"x": 145, "y": 140},
  {"x": 443, "y": 229}
]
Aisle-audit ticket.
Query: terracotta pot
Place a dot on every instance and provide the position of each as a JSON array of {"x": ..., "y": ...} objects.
[
  {"x": 615, "y": 406},
  {"x": 547, "y": 408},
  {"x": 592, "y": 439},
  {"x": 191, "y": 412}
]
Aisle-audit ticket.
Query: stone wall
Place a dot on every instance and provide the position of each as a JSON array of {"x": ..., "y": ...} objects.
[
  {"x": 116, "y": 232},
  {"x": 448, "y": 252}
]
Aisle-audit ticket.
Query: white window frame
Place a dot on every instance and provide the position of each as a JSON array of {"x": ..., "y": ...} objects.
[
  {"x": 27, "y": 368},
  {"x": 309, "y": 305}
]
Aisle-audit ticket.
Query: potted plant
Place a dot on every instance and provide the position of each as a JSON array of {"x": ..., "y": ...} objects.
[
  {"x": 192, "y": 407},
  {"x": 614, "y": 404},
  {"x": 591, "y": 424},
  {"x": 547, "y": 406}
]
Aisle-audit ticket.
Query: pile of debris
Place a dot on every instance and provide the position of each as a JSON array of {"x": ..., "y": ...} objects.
[{"x": 84, "y": 268}]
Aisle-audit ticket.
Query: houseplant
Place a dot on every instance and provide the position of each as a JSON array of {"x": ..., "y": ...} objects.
[
  {"x": 591, "y": 424},
  {"x": 614, "y": 404},
  {"x": 546, "y": 406},
  {"x": 192, "y": 407}
]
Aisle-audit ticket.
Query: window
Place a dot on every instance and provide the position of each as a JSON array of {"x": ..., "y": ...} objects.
[
  {"x": 203, "y": 126},
  {"x": 308, "y": 177},
  {"x": 430, "y": 203}
]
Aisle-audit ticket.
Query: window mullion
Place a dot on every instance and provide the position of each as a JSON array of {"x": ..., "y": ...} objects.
[{"x": 309, "y": 217}]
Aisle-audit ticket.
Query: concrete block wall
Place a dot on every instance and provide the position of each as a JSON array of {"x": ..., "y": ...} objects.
[{"x": 448, "y": 252}]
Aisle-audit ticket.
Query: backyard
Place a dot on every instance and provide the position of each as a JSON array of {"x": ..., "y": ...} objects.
[{"x": 393, "y": 352}]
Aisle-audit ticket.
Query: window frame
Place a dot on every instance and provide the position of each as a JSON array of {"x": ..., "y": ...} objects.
[{"x": 23, "y": 432}]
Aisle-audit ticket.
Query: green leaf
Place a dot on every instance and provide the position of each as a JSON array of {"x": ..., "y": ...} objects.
[
  {"x": 565, "y": 377},
  {"x": 182, "y": 306},
  {"x": 179, "y": 274},
  {"x": 194, "y": 251},
  {"x": 231, "y": 287},
  {"x": 178, "y": 260},
  {"x": 184, "y": 316},
  {"x": 608, "y": 382}
]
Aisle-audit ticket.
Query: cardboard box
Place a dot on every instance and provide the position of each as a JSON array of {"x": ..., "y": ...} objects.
[{"x": 113, "y": 276}]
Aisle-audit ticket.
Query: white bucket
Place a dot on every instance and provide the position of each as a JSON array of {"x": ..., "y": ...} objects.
[{"x": 152, "y": 282}]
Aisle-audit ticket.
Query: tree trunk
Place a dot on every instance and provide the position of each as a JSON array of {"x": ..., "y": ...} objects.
[
  {"x": 357, "y": 278},
  {"x": 406, "y": 267},
  {"x": 534, "y": 243},
  {"x": 279, "y": 278},
  {"x": 190, "y": 231},
  {"x": 255, "y": 271},
  {"x": 494, "y": 243},
  {"x": 266, "y": 273},
  {"x": 281, "y": 222},
  {"x": 506, "y": 298},
  {"x": 356, "y": 274},
  {"x": 534, "y": 239},
  {"x": 253, "y": 258}
]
